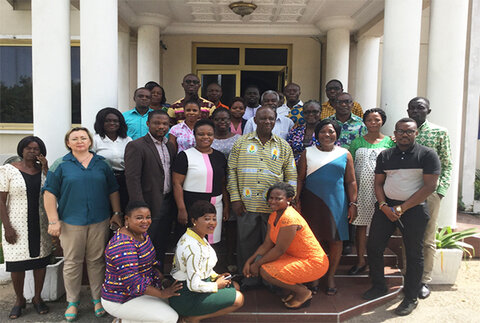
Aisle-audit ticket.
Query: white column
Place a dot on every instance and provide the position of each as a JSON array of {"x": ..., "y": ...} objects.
[
  {"x": 401, "y": 49},
  {"x": 338, "y": 48},
  {"x": 148, "y": 54},
  {"x": 98, "y": 57},
  {"x": 124, "y": 95},
  {"x": 445, "y": 84},
  {"x": 51, "y": 77},
  {"x": 472, "y": 113},
  {"x": 368, "y": 50}
]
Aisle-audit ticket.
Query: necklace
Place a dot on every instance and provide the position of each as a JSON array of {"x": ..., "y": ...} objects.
[{"x": 84, "y": 160}]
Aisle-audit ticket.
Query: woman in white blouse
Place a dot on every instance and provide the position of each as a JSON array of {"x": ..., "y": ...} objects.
[
  {"x": 205, "y": 293},
  {"x": 110, "y": 141}
]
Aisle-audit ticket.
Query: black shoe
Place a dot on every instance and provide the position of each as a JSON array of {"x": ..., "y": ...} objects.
[
  {"x": 406, "y": 307},
  {"x": 424, "y": 291},
  {"x": 374, "y": 293},
  {"x": 347, "y": 249},
  {"x": 355, "y": 270}
]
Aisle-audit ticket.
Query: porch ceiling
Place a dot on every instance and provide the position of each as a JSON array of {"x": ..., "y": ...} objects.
[{"x": 272, "y": 17}]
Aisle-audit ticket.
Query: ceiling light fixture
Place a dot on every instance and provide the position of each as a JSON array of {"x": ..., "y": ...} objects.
[{"x": 242, "y": 8}]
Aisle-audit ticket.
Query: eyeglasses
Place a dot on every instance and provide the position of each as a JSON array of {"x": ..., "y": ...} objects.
[
  {"x": 408, "y": 132},
  {"x": 343, "y": 101},
  {"x": 192, "y": 82}
]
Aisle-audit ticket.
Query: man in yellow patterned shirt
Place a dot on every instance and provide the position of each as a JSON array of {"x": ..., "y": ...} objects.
[{"x": 332, "y": 89}]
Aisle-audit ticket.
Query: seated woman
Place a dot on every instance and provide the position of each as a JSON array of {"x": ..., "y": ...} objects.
[
  {"x": 205, "y": 294},
  {"x": 290, "y": 254},
  {"x": 132, "y": 289}
]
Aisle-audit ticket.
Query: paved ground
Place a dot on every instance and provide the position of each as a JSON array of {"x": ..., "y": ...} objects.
[{"x": 457, "y": 303}]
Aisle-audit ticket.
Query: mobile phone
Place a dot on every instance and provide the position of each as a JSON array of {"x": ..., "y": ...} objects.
[{"x": 229, "y": 277}]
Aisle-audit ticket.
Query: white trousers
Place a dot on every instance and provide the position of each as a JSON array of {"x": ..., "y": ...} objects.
[{"x": 143, "y": 309}]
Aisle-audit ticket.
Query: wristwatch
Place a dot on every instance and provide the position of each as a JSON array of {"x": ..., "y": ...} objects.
[
  {"x": 398, "y": 209},
  {"x": 381, "y": 205}
]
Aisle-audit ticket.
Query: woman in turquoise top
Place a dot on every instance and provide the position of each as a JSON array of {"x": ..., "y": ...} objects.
[
  {"x": 85, "y": 187},
  {"x": 364, "y": 151}
]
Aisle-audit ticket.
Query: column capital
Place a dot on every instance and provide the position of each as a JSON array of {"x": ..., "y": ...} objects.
[
  {"x": 152, "y": 19},
  {"x": 335, "y": 22}
]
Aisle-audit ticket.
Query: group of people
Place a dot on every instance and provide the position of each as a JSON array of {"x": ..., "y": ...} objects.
[{"x": 286, "y": 181}]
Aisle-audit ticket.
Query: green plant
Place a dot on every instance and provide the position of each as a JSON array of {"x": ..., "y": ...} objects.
[
  {"x": 460, "y": 204},
  {"x": 448, "y": 239},
  {"x": 477, "y": 185}
]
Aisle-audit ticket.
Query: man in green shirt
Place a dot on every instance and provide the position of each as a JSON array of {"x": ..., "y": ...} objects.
[{"x": 435, "y": 137}]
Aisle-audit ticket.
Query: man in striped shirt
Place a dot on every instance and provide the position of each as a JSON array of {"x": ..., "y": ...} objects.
[{"x": 258, "y": 160}]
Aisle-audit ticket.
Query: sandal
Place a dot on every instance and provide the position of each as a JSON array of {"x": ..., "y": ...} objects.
[
  {"x": 295, "y": 305},
  {"x": 100, "y": 311},
  {"x": 40, "y": 307},
  {"x": 331, "y": 291},
  {"x": 287, "y": 298},
  {"x": 16, "y": 311},
  {"x": 70, "y": 317}
]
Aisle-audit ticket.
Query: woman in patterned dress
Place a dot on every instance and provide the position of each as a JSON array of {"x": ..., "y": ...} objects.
[
  {"x": 364, "y": 151},
  {"x": 26, "y": 243},
  {"x": 290, "y": 255},
  {"x": 181, "y": 135}
]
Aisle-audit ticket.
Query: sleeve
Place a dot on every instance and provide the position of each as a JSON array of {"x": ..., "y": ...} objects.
[
  {"x": 173, "y": 130},
  {"x": 289, "y": 167},
  {"x": 248, "y": 126},
  {"x": 112, "y": 183},
  {"x": 354, "y": 146},
  {"x": 180, "y": 164},
  {"x": 290, "y": 124},
  {"x": 123, "y": 255},
  {"x": 53, "y": 183},
  {"x": 94, "y": 144},
  {"x": 133, "y": 171},
  {"x": 194, "y": 262},
  {"x": 431, "y": 162},
  {"x": 289, "y": 218},
  {"x": 4, "y": 179},
  {"x": 379, "y": 167},
  {"x": 445, "y": 155},
  {"x": 357, "y": 109},
  {"x": 232, "y": 178}
]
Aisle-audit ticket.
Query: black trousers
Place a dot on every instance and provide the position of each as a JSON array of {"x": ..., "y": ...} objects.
[
  {"x": 161, "y": 227},
  {"x": 414, "y": 223}
]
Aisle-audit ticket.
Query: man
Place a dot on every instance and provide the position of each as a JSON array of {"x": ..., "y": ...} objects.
[
  {"x": 352, "y": 125},
  {"x": 405, "y": 176},
  {"x": 190, "y": 84},
  {"x": 136, "y": 118},
  {"x": 148, "y": 176},
  {"x": 282, "y": 124},
  {"x": 435, "y": 137},
  {"x": 294, "y": 104},
  {"x": 333, "y": 89},
  {"x": 214, "y": 94},
  {"x": 251, "y": 97},
  {"x": 257, "y": 161}
]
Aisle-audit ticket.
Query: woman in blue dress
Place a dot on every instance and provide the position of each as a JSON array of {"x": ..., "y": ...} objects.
[{"x": 327, "y": 193}]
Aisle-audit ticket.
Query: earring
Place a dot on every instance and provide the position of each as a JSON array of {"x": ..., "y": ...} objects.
[{"x": 126, "y": 226}]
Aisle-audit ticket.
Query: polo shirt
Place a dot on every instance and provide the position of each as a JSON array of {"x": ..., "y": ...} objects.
[
  {"x": 253, "y": 167},
  {"x": 83, "y": 194},
  {"x": 136, "y": 123},
  {"x": 282, "y": 126},
  {"x": 404, "y": 170},
  {"x": 177, "y": 113}
]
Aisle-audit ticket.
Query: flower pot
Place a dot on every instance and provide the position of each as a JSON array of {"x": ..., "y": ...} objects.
[
  {"x": 53, "y": 287},
  {"x": 446, "y": 265}
]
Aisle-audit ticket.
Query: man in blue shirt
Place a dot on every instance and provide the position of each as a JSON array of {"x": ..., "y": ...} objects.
[{"x": 136, "y": 118}]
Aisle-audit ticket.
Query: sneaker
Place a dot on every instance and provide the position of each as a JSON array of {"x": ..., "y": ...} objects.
[
  {"x": 374, "y": 293},
  {"x": 424, "y": 291},
  {"x": 406, "y": 306}
]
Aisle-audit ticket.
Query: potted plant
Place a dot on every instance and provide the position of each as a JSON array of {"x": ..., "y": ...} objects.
[{"x": 448, "y": 257}]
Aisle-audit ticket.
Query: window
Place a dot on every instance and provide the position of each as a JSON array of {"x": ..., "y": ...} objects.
[{"x": 16, "y": 103}]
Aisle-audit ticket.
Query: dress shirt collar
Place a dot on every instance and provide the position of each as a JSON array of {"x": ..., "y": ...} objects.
[
  {"x": 164, "y": 140},
  {"x": 410, "y": 150},
  {"x": 195, "y": 236},
  {"x": 255, "y": 136}
]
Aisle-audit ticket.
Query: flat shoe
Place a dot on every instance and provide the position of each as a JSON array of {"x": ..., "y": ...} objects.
[
  {"x": 331, "y": 291},
  {"x": 41, "y": 307},
  {"x": 355, "y": 270},
  {"x": 297, "y": 305},
  {"x": 287, "y": 298},
  {"x": 16, "y": 311}
]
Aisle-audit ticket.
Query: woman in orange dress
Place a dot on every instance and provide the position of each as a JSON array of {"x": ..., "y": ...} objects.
[{"x": 290, "y": 254}]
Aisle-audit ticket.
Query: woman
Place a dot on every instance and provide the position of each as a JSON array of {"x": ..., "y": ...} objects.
[
  {"x": 181, "y": 135},
  {"x": 290, "y": 254},
  {"x": 132, "y": 289},
  {"x": 198, "y": 173},
  {"x": 303, "y": 136},
  {"x": 364, "y": 151},
  {"x": 110, "y": 141},
  {"x": 328, "y": 193},
  {"x": 223, "y": 138},
  {"x": 84, "y": 186},
  {"x": 159, "y": 100},
  {"x": 237, "y": 108},
  {"x": 205, "y": 294},
  {"x": 26, "y": 244}
]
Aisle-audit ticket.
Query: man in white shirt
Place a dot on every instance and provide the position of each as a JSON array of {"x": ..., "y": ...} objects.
[
  {"x": 251, "y": 97},
  {"x": 282, "y": 124}
]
